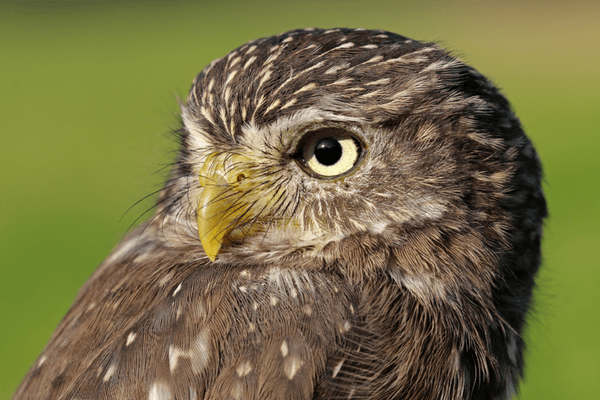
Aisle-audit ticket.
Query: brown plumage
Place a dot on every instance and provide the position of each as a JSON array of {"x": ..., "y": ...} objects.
[{"x": 374, "y": 212}]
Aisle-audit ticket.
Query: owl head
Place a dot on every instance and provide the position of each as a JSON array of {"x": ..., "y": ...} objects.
[{"x": 357, "y": 148}]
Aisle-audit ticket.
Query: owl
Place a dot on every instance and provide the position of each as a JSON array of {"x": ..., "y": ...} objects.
[{"x": 352, "y": 215}]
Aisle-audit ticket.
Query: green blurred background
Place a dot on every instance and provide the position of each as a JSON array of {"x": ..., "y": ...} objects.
[{"x": 88, "y": 96}]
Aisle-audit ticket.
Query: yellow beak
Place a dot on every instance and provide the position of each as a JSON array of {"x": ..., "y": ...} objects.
[{"x": 222, "y": 206}]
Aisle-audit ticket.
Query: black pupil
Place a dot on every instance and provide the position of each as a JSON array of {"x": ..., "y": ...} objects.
[{"x": 328, "y": 151}]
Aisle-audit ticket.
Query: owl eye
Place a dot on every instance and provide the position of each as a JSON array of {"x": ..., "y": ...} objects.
[{"x": 330, "y": 152}]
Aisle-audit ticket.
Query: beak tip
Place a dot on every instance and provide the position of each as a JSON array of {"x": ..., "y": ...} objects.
[{"x": 211, "y": 247}]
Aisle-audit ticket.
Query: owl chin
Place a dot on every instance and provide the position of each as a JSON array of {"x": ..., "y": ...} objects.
[{"x": 261, "y": 242}]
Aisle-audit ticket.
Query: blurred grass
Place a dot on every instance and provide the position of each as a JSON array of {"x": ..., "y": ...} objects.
[{"x": 88, "y": 98}]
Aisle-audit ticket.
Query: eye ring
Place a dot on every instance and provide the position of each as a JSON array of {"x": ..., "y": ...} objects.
[{"x": 329, "y": 153}]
